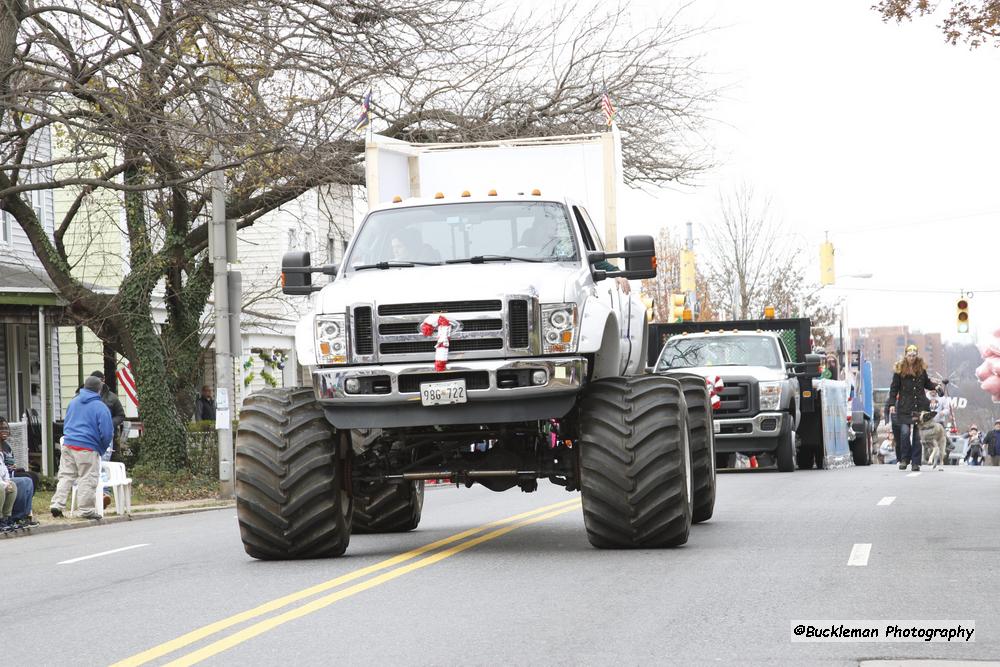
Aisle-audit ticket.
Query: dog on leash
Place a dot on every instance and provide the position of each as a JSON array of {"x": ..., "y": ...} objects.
[{"x": 932, "y": 435}]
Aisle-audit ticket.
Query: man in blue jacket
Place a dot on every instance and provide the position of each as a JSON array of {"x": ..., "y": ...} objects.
[{"x": 87, "y": 434}]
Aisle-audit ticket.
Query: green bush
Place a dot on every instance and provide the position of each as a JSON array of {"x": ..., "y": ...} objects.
[{"x": 154, "y": 485}]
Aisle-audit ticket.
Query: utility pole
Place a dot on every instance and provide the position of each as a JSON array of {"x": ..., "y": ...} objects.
[
  {"x": 224, "y": 395},
  {"x": 222, "y": 247},
  {"x": 692, "y": 295}
]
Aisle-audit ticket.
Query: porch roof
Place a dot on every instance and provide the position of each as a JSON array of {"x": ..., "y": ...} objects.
[{"x": 21, "y": 285}]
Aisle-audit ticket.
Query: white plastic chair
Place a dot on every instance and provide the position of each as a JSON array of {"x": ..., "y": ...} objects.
[{"x": 112, "y": 475}]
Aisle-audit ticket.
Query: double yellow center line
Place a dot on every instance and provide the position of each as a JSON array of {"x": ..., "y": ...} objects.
[{"x": 495, "y": 529}]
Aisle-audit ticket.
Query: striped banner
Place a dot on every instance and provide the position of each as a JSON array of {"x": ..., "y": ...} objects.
[{"x": 127, "y": 382}]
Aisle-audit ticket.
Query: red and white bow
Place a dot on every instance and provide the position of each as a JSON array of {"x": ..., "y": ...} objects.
[
  {"x": 715, "y": 386},
  {"x": 444, "y": 328}
]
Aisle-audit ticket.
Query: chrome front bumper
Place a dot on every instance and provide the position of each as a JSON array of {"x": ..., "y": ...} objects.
[
  {"x": 750, "y": 427},
  {"x": 565, "y": 375}
]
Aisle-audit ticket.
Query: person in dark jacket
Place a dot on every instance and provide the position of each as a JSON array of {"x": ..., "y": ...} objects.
[
  {"x": 204, "y": 405},
  {"x": 992, "y": 441},
  {"x": 907, "y": 398},
  {"x": 110, "y": 399}
]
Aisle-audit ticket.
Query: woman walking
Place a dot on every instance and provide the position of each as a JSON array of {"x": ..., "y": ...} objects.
[{"x": 908, "y": 398}]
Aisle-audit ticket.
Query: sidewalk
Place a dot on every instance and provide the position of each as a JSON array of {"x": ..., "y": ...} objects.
[{"x": 48, "y": 523}]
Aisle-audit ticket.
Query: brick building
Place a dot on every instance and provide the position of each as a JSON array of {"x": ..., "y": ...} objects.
[{"x": 884, "y": 346}]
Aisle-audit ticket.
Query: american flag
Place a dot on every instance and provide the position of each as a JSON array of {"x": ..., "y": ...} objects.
[
  {"x": 607, "y": 107},
  {"x": 365, "y": 119},
  {"x": 127, "y": 382}
]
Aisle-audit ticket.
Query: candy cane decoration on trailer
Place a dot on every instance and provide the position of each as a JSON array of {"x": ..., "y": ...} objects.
[
  {"x": 444, "y": 328},
  {"x": 715, "y": 386}
]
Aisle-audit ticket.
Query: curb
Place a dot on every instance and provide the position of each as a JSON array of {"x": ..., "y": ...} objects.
[{"x": 58, "y": 527}]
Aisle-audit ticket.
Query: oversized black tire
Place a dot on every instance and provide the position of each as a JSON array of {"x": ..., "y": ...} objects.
[
  {"x": 385, "y": 508},
  {"x": 636, "y": 479},
  {"x": 702, "y": 439},
  {"x": 290, "y": 498},
  {"x": 389, "y": 508},
  {"x": 785, "y": 454}
]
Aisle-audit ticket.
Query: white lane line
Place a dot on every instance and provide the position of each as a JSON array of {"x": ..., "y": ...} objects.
[
  {"x": 913, "y": 474},
  {"x": 887, "y": 500},
  {"x": 859, "y": 555},
  {"x": 103, "y": 553}
]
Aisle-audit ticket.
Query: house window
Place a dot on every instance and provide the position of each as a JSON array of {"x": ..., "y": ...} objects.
[
  {"x": 5, "y": 223},
  {"x": 309, "y": 241},
  {"x": 293, "y": 239}
]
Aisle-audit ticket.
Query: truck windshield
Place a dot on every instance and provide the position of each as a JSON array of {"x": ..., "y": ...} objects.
[
  {"x": 536, "y": 231},
  {"x": 719, "y": 351}
]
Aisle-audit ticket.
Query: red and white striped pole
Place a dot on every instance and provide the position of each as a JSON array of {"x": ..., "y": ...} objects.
[{"x": 444, "y": 328}]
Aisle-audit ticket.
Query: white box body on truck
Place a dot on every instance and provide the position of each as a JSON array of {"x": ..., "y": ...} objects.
[{"x": 475, "y": 332}]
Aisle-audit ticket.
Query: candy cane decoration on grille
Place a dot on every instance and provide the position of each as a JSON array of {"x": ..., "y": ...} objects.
[
  {"x": 714, "y": 387},
  {"x": 445, "y": 328}
]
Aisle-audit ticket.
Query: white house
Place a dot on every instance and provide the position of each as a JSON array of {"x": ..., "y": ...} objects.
[
  {"x": 320, "y": 221},
  {"x": 30, "y": 310}
]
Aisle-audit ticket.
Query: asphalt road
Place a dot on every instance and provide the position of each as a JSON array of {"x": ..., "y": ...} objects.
[{"x": 531, "y": 590}]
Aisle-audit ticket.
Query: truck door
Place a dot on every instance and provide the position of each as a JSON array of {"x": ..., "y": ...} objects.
[{"x": 630, "y": 316}]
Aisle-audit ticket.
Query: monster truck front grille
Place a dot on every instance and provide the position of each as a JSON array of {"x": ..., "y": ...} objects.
[
  {"x": 427, "y": 346},
  {"x": 410, "y": 383},
  {"x": 440, "y": 307},
  {"x": 363, "y": 340},
  {"x": 413, "y": 328},
  {"x": 736, "y": 400},
  {"x": 517, "y": 316}
]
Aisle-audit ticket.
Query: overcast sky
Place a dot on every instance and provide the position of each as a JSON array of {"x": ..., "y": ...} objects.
[{"x": 879, "y": 134}]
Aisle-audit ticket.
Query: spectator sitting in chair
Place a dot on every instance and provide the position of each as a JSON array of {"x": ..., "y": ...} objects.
[{"x": 24, "y": 483}]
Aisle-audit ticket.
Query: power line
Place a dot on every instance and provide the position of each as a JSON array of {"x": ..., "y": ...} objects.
[
  {"x": 899, "y": 225},
  {"x": 908, "y": 290}
]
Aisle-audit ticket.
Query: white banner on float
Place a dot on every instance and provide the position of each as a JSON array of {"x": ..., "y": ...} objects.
[{"x": 833, "y": 408}]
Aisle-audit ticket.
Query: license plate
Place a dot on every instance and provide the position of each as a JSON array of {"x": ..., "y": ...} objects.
[{"x": 443, "y": 393}]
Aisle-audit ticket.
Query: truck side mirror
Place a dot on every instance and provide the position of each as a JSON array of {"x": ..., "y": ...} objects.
[
  {"x": 812, "y": 364},
  {"x": 296, "y": 273},
  {"x": 808, "y": 368},
  {"x": 640, "y": 257}
]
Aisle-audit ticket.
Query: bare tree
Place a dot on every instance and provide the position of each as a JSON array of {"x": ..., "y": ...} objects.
[
  {"x": 755, "y": 263},
  {"x": 975, "y": 23},
  {"x": 137, "y": 95}
]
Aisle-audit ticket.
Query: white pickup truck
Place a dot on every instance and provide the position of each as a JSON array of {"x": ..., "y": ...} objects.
[
  {"x": 476, "y": 336},
  {"x": 759, "y": 407}
]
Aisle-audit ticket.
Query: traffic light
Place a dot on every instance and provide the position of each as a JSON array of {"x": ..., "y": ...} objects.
[
  {"x": 676, "y": 308},
  {"x": 826, "y": 272},
  {"x": 648, "y": 302},
  {"x": 962, "y": 316},
  {"x": 687, "y": 271}
]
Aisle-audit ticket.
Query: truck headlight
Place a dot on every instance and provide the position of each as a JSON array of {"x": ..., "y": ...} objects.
[
  {"x": 331, "y": 339},
  {"x": 559, "y": 325},
  {"x": 770, "y": 395}
]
